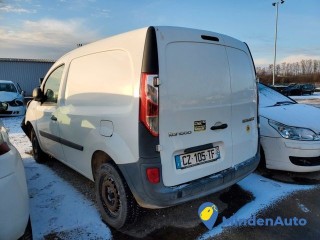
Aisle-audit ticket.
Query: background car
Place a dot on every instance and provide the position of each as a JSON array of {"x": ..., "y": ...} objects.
[
  {"x": 308, "y": 88},
  {"x": 14, "y": 201},
  {"x": 297, "y": 89},
  {"x": 13, "y": 95},
  {"x": 290, "y": 133},
  {"x": 294, "y": 89}
]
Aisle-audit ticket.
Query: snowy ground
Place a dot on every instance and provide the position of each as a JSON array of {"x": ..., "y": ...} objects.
[
  {"x": 316, "y": 95},
  {"x": 56, "y": 207},
  {"x": 60, "y": 211},
  {"x": 313, "y": 100}
]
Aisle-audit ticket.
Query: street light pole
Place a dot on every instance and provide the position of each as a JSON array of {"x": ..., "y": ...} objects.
[{"x": 276, "y": 4}]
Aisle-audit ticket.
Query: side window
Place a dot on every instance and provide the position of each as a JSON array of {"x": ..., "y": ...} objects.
[{"x": 51, "y": 87}]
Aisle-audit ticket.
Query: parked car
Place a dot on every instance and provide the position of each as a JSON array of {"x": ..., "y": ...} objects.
[
  {"x": 308, "y": 88},
  {"x": 14, "y": 201},
  {"x": 290, "y": 133},
  {"x": 294, "y": 89},
  {"x": 13, "y": 95},
  {"x": 278, "y": 88},
  {"x": 297, "y": 89},
  {"x": 156, "y": 117}
]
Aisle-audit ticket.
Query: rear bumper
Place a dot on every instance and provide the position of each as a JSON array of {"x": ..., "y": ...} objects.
[{"x": 158, "y": 196}]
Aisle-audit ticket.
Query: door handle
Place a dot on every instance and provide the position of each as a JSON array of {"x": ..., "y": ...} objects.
[
  {"x": 221, "y": 126},
  {"x": 53, "y": 118}
]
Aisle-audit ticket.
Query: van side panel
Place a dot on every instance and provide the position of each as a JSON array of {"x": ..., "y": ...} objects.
[
  {"x": 100, "y": 79},
  {"x": 100, "y": 101}
]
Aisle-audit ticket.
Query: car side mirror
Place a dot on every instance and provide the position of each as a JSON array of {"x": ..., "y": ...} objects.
[
  {"x": 37, "y": 94},
  {"x": 3, "y": 106},
  {"x": 23, "y": 93}
]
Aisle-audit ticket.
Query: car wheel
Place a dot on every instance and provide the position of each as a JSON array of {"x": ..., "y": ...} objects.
[
  {"x": 115, "y": 200},
  {"x": 38, "y": 155}
]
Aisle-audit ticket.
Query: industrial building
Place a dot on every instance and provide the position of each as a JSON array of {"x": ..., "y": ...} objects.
[{"x": 25, "y": 72}]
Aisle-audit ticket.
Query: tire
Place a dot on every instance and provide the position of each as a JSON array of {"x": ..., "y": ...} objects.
[
  {"x": 115, "y": 201},
  {"x": 38, "y": 155}
]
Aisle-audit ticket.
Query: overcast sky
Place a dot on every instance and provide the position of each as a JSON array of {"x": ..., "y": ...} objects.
[{"x": 47, "y": 29}]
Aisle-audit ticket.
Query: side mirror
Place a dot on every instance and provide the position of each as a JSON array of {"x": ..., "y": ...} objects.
[
  {"x": 37, "y": 94},
  {"x": 23, "y": 93},
  {"x": 3, "y": 106}
]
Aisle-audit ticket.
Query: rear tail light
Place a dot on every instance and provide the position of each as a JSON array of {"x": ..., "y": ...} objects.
[
  {"x": 153, "y": 175},
  {"x": 149, "y": 103},
  {"x": 4, "y": 148}
]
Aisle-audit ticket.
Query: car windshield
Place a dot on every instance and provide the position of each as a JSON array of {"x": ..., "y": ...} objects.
[
  {"x": 269, "y": 97},
  {"x": 7, "y": 87}
]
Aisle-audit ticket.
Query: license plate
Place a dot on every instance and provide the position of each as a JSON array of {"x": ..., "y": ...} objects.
[{"x": 192, "y": 159}]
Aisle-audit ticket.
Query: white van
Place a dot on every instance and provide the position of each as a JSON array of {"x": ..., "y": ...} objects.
[{"x": 156, "y": 117}]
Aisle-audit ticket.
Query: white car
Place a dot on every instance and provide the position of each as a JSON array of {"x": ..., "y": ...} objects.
[
  {"x": 14, "y": 200},
  {"x": 290, "y": 133},
  {"x": 13, "y": 95}
]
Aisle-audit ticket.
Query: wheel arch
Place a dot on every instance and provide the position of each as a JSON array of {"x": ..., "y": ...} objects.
[{"x": 100, "y": 157}]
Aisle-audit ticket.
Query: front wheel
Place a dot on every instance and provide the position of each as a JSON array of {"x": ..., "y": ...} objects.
[
  {"x": 38, "y": 155},
  {"x": 115, "y": 200}
]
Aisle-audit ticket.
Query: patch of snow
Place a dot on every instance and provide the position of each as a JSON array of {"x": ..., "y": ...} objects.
[
  {"x": 55, "y": 206},
  {"x": 303, "y": 208},
  {"x": 313, "y": 96}
]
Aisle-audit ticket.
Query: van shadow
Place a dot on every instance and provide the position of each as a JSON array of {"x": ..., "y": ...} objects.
[{"x": 182, "y": 221}]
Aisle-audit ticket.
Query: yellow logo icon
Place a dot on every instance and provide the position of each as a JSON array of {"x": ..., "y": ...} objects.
[{"x": 207, "y": 212}]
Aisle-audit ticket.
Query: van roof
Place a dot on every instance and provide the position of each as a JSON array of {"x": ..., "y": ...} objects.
[{"x": 130, "y": 38}]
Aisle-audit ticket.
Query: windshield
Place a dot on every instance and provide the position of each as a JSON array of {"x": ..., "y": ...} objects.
[
  {"x": 269, "y": 97},
  {"x": 7, "y": 87}
]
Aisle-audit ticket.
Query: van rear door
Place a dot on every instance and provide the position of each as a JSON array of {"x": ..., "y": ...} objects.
[
  {"x": 244, "y": 104},
  {"x": 194, "y": 105}
]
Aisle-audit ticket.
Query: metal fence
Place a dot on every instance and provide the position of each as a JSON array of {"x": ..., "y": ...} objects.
[{"x": 26, "y": 72}]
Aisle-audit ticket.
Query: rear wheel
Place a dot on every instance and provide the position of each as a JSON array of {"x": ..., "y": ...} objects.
[
  {"x": 115, "y": 200},
  {"x": 38, "y": 155}
]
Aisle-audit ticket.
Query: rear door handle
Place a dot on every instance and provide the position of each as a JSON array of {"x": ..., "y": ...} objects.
[
  {"x": 222, "y": 126},
  {"x": 53, "y": 118}
]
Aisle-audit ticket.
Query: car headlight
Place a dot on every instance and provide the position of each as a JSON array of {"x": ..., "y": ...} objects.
[{"x": 294, "y": 133}]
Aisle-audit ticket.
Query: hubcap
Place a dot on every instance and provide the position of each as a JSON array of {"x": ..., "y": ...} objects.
[{"x": 110, "y": 196}]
